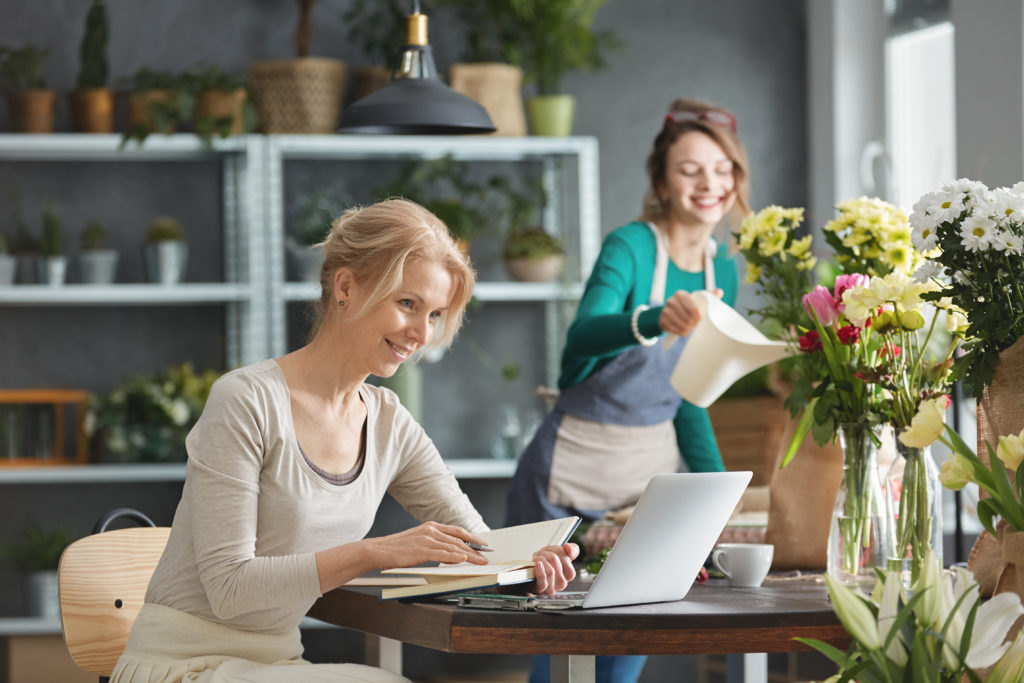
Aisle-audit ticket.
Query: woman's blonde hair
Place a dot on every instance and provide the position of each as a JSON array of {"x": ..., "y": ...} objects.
[
  {"x": 718, "y": 124},
  {"x": 376, "y": 242}
]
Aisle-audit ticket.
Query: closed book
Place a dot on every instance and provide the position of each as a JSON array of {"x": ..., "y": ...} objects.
[{"x": 511, "y": 560}]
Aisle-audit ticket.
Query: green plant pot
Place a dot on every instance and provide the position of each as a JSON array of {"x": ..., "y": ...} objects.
[{"x": 551, "y": 115}]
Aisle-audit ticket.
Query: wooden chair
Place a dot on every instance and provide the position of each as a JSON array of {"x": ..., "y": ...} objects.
[{"x": 102, "y": 582}]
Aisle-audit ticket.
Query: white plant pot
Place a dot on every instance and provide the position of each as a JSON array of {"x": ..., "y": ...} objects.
[
  {"x": 307, "y": 261},
  {"x": 98, "y": 266},
  {"x": 165, "y": 261},
  {"x": 51, "y": 270},
  {"x": 42, "y": 597},
  {"x": 544, "y": 269},
  {"x": 8, "y": 267}
]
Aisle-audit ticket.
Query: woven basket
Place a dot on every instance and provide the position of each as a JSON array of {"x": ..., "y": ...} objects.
[
  {"x": 497, "y": 87},
  {"x": 298, "y": 95}
]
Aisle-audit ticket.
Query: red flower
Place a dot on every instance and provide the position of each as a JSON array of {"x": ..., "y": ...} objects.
[
  {"x": 891, "y": 348},
  {"x": 809, "y": 343},
  {"x": 948, "y": 400},
  {"x": 849, "y": 335}
]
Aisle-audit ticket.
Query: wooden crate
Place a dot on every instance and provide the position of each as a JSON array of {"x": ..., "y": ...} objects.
[
  {"x": 17, "y": 442},
  {"x": 749, "y": 434}
]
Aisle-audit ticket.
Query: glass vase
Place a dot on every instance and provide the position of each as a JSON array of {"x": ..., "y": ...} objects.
[
  {"x": 859, "y": 534},
  {"x": 914, "y": 498}
]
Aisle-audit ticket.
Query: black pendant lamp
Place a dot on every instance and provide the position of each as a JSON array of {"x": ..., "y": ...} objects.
[{"x": 416, "y": 102}]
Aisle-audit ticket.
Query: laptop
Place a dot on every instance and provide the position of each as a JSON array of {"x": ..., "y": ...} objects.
[{"x": 663, "y": 546}]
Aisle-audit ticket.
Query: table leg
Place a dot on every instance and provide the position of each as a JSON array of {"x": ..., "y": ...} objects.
[
  {"x": 384, "y": 653},
  {"x": 572, "y": 668},
  {"x": 751, "y": 667}
]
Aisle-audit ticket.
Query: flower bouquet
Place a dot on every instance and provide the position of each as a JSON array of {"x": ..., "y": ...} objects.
[
  {"x": 915, "y": 382},
  {"x": 941, "y": 633},
  {"x": 871, "y": 236},
  {"x": 148, "y": 418},
  {"x": 974, "y": 237}
]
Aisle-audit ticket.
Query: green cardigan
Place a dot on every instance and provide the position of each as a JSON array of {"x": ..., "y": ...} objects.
[{"x": 620, "y": 281}]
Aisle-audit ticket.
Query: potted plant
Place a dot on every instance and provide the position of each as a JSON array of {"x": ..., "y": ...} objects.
[
  {"x": 92, "y": 102},
  {"x": 533, "y": 255},
  {"x": 30, "y": 102},
  {"x": 547, "y": 39},
  {"x": 164, "y": 251},
  {"x": 8, "y": 264},
  {"x": 378, "y": 29},
  {"x": 37, "y": 555},
  {"x": 222, "y": 102},
  {"x": 22, "y": 244},
  {"x": 98, "y": 264},
  {"x": 446, "y": 188},
  {"x": 308, "y": 226},
  {"x": 157, "y": 103},
  {"x": 484, "y": 72},
  {"x": 52, "y": 266},
  {"x": 301, "y": 95}
]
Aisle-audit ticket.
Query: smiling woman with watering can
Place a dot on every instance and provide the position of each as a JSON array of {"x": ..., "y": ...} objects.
[{"x": 617, "y": 421}]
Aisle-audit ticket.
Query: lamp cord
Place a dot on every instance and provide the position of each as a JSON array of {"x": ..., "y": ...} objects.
[{"x": 416, "y": 7}]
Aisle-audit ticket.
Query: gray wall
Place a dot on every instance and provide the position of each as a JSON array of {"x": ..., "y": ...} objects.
[{"x": 748, "y": 56}]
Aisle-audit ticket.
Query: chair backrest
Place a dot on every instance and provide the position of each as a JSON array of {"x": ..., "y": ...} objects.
[{"x": 102, "y": 582}]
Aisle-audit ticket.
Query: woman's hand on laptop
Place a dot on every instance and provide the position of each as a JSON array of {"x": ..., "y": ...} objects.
[{"x": 553, "y": 568}]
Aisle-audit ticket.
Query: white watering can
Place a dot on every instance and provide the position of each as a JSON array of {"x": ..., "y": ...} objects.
[{"x": 722, "y": 348}]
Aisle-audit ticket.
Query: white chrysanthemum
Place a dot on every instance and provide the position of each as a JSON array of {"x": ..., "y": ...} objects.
[
  {"x": 1007, "y": 242},
  {"x": 961, "y": 278},
  {"x": 1008, "y": 205},
  {"x": 928, "y": 270},
  {"x": 923, "y": 232},
  {"x": 965, "y": 186},
  {"x": 977, "y": 232}
]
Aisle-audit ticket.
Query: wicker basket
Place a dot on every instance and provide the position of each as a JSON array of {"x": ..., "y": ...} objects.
[{"x": 298, "y": 95}]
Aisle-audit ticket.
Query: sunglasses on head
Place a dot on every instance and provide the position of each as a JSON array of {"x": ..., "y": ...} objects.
[{"x": 715, "y": 116}]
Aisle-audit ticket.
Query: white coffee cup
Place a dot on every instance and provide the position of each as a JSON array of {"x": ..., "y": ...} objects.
[{"x": 744, "y": 564}]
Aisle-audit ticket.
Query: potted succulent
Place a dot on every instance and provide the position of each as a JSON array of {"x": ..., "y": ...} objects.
[
  {"x": 8, "y": 264},
  {"x": 533, "y": 255},
  {"x": 37, "y": 555},
  {"x": 308, "y": 226},
  {"x": 30, "y": 101},
  {"x": 98, "y": 265},
  {"x": 301, "y": 95},
  {"x": 378, "y": 28},
  {"x": 52, "y": 265},
  {"x": 92, "y": 102},
  {"x": 222, "y": 104},
  {"x": 164, "y": 251},
  {"x": 157, "y": 103}
]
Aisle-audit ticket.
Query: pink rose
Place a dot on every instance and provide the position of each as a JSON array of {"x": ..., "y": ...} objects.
[
  {"x": 845, "y": 282},
  {"x": 819, "y": 302}
]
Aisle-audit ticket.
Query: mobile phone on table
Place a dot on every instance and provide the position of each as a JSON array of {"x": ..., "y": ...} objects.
[{"x": 518, "y": 603}]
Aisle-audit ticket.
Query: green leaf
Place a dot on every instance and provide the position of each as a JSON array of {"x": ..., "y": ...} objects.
[
  {"x": 830, "y": 651},
  {"x": 800, "y": 433},
  {"x": 986, "y": 513}
]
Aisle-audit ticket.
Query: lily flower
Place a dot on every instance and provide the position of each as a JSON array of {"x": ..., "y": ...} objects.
[
  {"x": 1010, "y": 667},
  {"x": 854, "y": 614}
]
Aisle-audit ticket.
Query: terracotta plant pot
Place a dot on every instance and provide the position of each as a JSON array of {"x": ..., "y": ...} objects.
[
  {"x": 32, "y": 111},
  {"x": 221, "y": 104},
  {"x": 298, "y": 95},
  {"x": 92, "y": 111},
  {"x": 544, "y": 269},
  {"x": 140, "y": 115}
]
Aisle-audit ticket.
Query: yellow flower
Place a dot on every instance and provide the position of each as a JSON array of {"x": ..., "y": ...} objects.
[
  {"x": 1011, "y": 451},
  {"x": 927, "y": 424},
  {"x": 955, "y": 473},
  {"x": 807, "y": 263},
  {"x": 800, "y": 247},
  {"x": 753, "y": 273},
  {"x": 772, "y": 243}
]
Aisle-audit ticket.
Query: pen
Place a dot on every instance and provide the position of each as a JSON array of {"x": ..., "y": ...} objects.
[{"x": 479, "y": 546}]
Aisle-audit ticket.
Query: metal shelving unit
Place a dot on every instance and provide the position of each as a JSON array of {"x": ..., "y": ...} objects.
[
  {"x": 551, "y": 152},
  {"x": 255, "y": 292}
]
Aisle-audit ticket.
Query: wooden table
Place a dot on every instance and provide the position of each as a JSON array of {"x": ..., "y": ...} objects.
[{"x": 714, "y": 618}]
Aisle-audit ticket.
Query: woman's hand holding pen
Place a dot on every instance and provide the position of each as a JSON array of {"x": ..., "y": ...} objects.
[
  {"x": 428, "y": 542},
  {"x": 680, "y": 314},
  {"x": 552, "y": 569}
]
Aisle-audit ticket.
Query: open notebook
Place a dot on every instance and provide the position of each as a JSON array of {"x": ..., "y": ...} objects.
[{"x": 510, "y": 562}]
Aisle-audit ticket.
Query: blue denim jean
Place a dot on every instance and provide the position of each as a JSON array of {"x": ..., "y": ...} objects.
[{"x": 607, "y": 668}]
